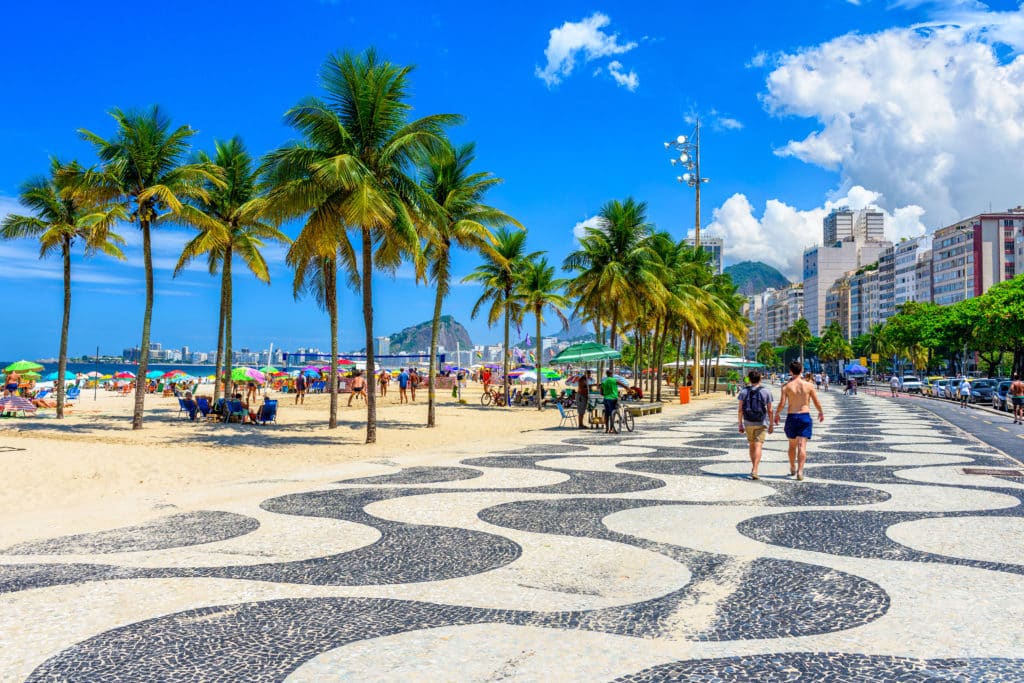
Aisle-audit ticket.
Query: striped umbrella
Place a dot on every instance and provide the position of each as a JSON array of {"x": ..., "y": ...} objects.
[{"x": 12, "y": 404}]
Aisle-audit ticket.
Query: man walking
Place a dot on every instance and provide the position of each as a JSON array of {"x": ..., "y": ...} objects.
[
  {"x": 403, "y": 386},
  {"x": 1017, "y": 399},
  {"x": 965, "y": 392},
  {"x": 894, "y": 385},
  {"x": 582, "y": 396},
  {"x": 300, "y": 389},
  {"x": 755, "y": 417},
  {"x": 797, "y": 396}
]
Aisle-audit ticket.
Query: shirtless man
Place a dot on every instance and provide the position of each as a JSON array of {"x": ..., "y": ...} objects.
[
  {"x": 358, "y": 388},
  {"x": 1017, "y": 399},
  {"x": 13, "y": 381},
  {"x": 797, "y": 396}
]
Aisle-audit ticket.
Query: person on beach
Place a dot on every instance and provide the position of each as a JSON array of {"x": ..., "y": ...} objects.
[
  {"x": 965, "y": 392},
  {"x": 414, "y": 381},
  {"x": 300, "y": 389},
  {"x": 403, "y": 386},
  {"x": 11, "y": 387},
  {"x": 485, "y": 377},
  {"x": 250, "y": 392},
  {"x": 610, "y": 392},
  {"x": 1017, "y": 399},
  {"x": 358, "y": 388},
  {"x": 797, "y": 396},
  {"x": 755, "y": 417},
  {"x": 582, "y": 396},
  {"x": 382, "y": 382}
]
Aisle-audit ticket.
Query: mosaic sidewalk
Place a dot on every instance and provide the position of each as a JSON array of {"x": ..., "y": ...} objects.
[{"x": 646, "y": 556}]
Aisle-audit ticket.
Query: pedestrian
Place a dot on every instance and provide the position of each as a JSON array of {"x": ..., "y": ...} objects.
[
  {"x": 797, "y": 397},
  {"x": 824, "y": 381},
  {"x": 1017, "y": 399},
  {"x": 965, "y": 392},
  {"x": 403, "y": 386},
  {"x": 358, "y": 387},
  {"x": 414, "y": 381},
  {"x": 300, "y": 389},
  {"x": 610, "y": 392},
  {"x": 817, "y": 380},
  {"x": 485, "y": 377},
  {"x": 582, "y": 397},
  {"x": 383, "y": 380},
  {"x": 755, "y": 417},
  {"x": 894, "y": 385}
]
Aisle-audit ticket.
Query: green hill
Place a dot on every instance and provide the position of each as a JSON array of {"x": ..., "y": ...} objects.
[
  {"x": 416, "y": 339},
  {"x": 753, "y": 277}
]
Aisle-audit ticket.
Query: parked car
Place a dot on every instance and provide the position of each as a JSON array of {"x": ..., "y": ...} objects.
[
  {"x": 1000, "y": 397},
  {"x": 910, "y": 384},
  {"x": 928, "y": 385},
  {"x": 982, "y": 390},
  {"x": 938, "y": 388},
  {"x": 950, "y": 389}
]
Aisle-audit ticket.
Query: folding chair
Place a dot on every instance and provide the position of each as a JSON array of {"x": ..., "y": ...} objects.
[
  {"x": 568, "y": 414},
  {"x": 203, "y": 405},
  {"x": 268, "y": 411}
]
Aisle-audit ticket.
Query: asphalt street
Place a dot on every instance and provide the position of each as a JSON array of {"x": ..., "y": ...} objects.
[{"x": 996, "y": 430}]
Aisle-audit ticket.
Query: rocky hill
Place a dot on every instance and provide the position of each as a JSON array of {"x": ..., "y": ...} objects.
[
  {"x": 417, "y": 338},
  {"x": 753, "y": 277}
]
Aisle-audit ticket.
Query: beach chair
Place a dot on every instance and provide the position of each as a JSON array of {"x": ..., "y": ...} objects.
[
  {"x": 73, "y": 393},
  {"x": 568, "y": 415},
  {"x": 181, "y": 406},
  {"x": 43, "y": 393},
  {"x": 268, "y": 411},
  {"x": 190, "y": 408},
  {"x": 203, "y": 405},
  {"x": 235, "y": 410}
]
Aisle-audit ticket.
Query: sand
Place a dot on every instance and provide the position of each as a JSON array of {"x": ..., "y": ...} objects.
[{"x": 91, "y": 471}]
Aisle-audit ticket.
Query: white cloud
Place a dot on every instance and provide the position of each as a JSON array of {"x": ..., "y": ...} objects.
[
  {"x": 930, "y": 114},
  {"x": 729, "y": 123},
  {"x": 782, "y": 232},
  {"x": 629, "y": 81},
  {"x": 584, "y": 38},
  {"x": 580, "y": 229}
]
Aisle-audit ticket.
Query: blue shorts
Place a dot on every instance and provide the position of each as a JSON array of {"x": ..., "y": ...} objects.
[{"x": 799, "y": 424}]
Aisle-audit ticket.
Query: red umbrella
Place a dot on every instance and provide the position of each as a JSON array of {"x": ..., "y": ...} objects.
[{"x": 124, "y": 374}]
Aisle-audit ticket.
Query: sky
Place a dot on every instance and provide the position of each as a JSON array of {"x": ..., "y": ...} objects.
[{"x": 914, "y": 106}]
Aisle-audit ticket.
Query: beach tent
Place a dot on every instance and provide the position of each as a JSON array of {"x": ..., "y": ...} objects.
[
  {"x": 721, "y": 361},
  {"x": 585, "y": 353}
]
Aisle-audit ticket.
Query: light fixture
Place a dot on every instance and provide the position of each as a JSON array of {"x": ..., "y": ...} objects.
[
  {"x": 684, "y": 157},
  {"x": 667, "y": 145},
  {"x": 686, "y": 177},
  {"x": 681, "y": 140}
]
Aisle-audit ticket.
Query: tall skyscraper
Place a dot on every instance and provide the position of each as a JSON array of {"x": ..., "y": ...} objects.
[
  {"x": 824, "y": 265},
  {"x": 382, "y": 346}
]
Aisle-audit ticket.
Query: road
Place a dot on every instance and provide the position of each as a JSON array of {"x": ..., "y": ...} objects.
[{"x": 995, "y": 430}]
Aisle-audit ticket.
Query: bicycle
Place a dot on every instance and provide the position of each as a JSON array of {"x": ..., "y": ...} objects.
[
  {"x": 621, "y": 417},
  {"x": 495, "y": 396}
]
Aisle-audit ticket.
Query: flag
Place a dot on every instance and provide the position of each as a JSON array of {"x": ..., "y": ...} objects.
[
  {"x": 533, "y": 357},
  {"x": 478, "y": 354},
  {"x": 526, "y": 342},
  {"x": 517, "y": 353}
]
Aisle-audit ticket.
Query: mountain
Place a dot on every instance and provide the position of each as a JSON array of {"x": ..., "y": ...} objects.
[
  {"x": 416, "y": 339},
  {"x": 577, "y": 331},
  {"x": 753, "y": 277}
]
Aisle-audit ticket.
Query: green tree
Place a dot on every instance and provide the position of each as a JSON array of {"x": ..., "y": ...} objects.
[
  {"x": 1002, "y": 318},
  {"x": 232, "y": 226},
  {"x": 59, "y": 219},
  {"x": 463, "y": 221},
  {"x": 833, "y": 346},
  {"x": 354, "y": 169},
  {"x": 143, "y": 168},
  {"x": 766, "y": 355},
  {"x": 798, "y": 335},
  {"x": 538, "y": 290},
  {"x": 499, "y": 276}
]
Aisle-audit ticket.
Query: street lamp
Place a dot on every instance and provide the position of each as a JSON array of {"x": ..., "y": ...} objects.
[{"x": 689, "y": 158}]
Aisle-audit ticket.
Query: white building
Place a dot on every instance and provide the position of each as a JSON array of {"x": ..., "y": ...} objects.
[
  {"x": 714, "y": 246},
  {"x": 845, "y": 225},
  {"x": 382, "y": 346},
  {"x": 970, "y": 256},
  {"x": 824, "y": 265}
]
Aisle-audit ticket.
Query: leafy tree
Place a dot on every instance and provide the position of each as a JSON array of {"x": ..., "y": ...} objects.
[
  {"x": 766, "y": 355},
  {"x": 538, "y": 290},
  {"x": 797, "y": 335},
  {"x": 59, "y": 219},
  {"x": 143, "y": 168}
]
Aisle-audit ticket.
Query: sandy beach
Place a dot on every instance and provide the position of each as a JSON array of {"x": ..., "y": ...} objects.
[{"x": 91, "y": 471}]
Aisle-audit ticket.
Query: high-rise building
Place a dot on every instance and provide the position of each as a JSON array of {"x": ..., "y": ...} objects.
[
  {"x": 838, "y": 226},
  {"x": 382, "y": 346},
  {"x": 970, "y": 256},
  {"x": 908, "y": 255},
  {"x": 886, "y": 303},
  {"x": 131, "y": 355},
  {"x": 843, "y": 224},
  {"x": 852, "y": 301},
  {"x": 923, "y": 277},
  {"x": 771, "y": 313},
  {"x": 824, "y": 265},
  {"x": 714, "y": 246},
  {"x": 186, "y": 357}
]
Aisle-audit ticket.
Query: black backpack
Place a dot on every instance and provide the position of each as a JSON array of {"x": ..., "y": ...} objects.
[{"x": 754, "y": 405}]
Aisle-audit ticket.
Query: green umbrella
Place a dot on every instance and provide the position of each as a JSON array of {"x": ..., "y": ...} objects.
[
  {"x": 269, "y": 370},
  {"x": 22, "y": 366},
  {"x": 30, "y": 375},
  {"x": 585, "y": 353}
]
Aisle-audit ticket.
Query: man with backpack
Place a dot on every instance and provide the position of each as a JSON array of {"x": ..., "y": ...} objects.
[{"x": 755, "y": 417}]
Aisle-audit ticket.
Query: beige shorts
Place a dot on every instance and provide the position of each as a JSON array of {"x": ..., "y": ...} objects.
[{"x": 756, "y": 433}]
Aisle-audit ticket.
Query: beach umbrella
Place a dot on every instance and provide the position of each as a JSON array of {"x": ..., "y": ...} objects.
[
  {"x": 585, "y": 352},
  {"x": 154, "y": 374},
  {"x": 124, "y": 374},
  {"x": 67, "y": 375},
  {"x": 93, "y": 374},
  {"x": 269, "y": 370},
  {"x": 855, "y": 369},
  {"x": 31, "y": 374},
  {"x": 22, "y": 366},
  {"x": 247, "y": 375},
  {"x": 311, "y": 372},
  {"x": 16, "y": 403},
  {"x": 172, "y": 373}
]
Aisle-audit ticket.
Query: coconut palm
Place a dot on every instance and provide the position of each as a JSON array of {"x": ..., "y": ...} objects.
[
  {"x": 766, "y": 355},
  {"x": 499, "y": 275},
  {"x": 353, "y": 170},
  {"x": 537, "y": 291},
  {"x": 797, "y": 335},
  {"x": 464, "y": 221},
  {"x": 143, "y": 168},
  {"x": 58, "y": 221},
  {"x": 236, "y": 229}
]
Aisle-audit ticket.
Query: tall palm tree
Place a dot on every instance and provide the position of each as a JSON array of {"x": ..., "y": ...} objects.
[
  {"x": 464, "y": 221},
  {"x": 354, "y": 169},
  {"x": 538, "y": 290},
  {"x": 232, "y": 226},
  {"x": 499, "y": 276},
  {"x": 797, "y": 335},
  {"x": 615, "y": 263},
  {"x": 143, "y": 168},
  {"x": 766, "y": 355},
  {"x": 59, "y": 219}
]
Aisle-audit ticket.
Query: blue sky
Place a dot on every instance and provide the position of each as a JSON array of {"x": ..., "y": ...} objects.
[{"x": 914, "y": 106}]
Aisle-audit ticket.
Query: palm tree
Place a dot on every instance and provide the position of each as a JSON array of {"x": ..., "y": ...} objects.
[
  {"x": 58, "y": 220},
  {"x": 766, "y": 355},
  {"x": 615, "y": 266},
  {"x": 499, "y": 276},
  {"x": 797, "y": 335},
  {"x": 353, "y": 171},
  {"x": 143, "y": 169},
  {"x": 539, "y": 290},
  {"x": 236, "y": 228},
  {"x": 833, "y": 345},
  {"x": 464, "y": 222}
]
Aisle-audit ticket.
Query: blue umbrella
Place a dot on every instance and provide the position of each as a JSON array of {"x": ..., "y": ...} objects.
[
  {"x": 53, "y": 375},
  {"x": 855, "y": 369}
]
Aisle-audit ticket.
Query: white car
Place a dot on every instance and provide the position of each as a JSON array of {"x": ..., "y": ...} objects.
[{"x": 910, "y": 384}]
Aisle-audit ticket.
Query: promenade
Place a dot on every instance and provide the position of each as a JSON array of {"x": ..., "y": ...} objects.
[{"x": 644, "y": 556}]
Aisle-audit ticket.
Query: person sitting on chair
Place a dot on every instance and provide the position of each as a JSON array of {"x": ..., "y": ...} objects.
[{"x": 191, "y": 407}]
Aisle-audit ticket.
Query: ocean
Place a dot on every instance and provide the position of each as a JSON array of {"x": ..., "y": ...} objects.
[{"x": 111, "y": 368}]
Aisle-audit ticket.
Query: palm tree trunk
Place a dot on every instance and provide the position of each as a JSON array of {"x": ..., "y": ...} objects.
[
  {"x": 147, "y": 317},
  {"x": 62, "y": 356},
  {"x": 371, "y": 390},
  {"x": 331, "y": 299},
  {"x": 614, "y": 334},
  {"x": 504, "y": 377},
  {"x": 219, "y": 362},
  {"x": 696, "y": 363},
  {"x": 540, "y": 356},
  {"x": 679, "y": 355},
  {"x": 435, "y": 328},
  {"x": 228, "y": 295}
]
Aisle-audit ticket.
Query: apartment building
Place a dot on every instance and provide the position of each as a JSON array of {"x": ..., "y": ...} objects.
[
  {"x": 970, "y": 256},
  {"x": 771, "y": 313},
  {"x": 909, "y": 255},
  {"x": 853, "y": 301},
  {"x": 714, "y": 246},
  {"x": 887, "y": 282},
  {"x": 823, "y": 266},
  {"x": 845, "y": 225}
]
